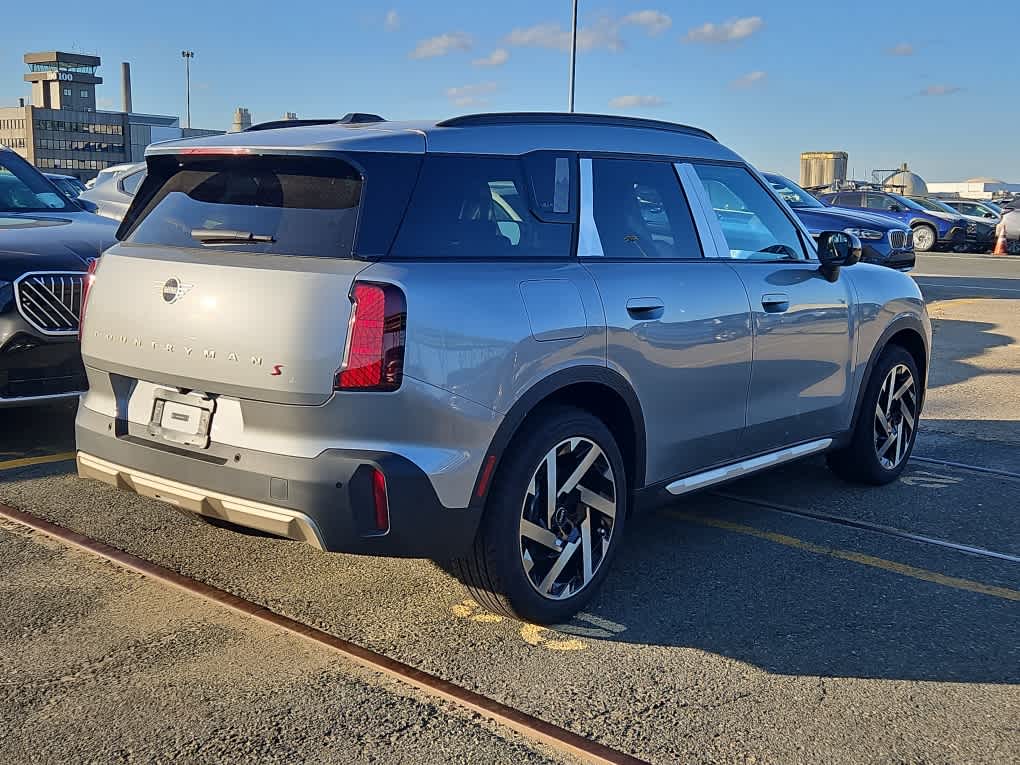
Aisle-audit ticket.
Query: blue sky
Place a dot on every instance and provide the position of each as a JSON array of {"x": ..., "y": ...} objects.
[{"x": 887, "y": 82}]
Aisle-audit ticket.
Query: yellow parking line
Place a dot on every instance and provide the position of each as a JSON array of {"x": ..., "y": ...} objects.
[
  {"x": 855, "y": 557},
  {"x": 27, "y": 461}
]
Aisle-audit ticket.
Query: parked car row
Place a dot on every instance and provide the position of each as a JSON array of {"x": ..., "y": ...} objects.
[{"x": 47, "y": 241}]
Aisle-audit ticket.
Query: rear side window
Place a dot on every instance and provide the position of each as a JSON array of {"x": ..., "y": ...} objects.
[
  {"x": 130, "y": 183},
  {"x": 482, "y": 207},
  {"x": 640, "y": 210},
  {"x": 283, "y": 205}
]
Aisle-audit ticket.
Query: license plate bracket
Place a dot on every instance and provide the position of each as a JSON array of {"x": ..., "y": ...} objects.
[{"x": 193, "y": 411}]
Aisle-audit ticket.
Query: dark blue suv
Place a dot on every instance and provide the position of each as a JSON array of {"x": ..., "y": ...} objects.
[
  {"x": 930, "y": 231},
  {"x": 884, "y": 240}
]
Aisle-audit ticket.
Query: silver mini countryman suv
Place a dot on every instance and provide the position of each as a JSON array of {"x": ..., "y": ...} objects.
[{"x": 485, "y": 341}]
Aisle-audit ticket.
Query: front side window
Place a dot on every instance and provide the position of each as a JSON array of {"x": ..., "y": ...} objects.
[
  {"x": 640, "y": 210},
  {"x": 467, "y": 206},
  {"x": 847, "y": 200},
  {"x": 25, "y": 189},
  {"x": 883, "y": 202},
  {"x": 753, "y": 223}
]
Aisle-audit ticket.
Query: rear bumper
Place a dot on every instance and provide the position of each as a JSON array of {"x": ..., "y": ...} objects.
[{"x": 324, "y": 501}]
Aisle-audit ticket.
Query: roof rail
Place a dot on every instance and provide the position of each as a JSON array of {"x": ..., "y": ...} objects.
[
  {"x": 570, "y": 118},
  {"x": 356, "y": 118},
  {"x": 351, "y": 118},
  {"x": 275, "y": 124}
]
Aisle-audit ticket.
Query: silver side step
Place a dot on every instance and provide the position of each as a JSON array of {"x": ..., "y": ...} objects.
[{"x": 740, "y": 469}]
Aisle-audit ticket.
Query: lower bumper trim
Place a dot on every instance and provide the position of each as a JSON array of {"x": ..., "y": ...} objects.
[{"x": 280, "y": 521}]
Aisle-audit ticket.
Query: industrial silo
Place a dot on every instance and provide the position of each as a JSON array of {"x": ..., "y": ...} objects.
[
  {"x": 823, "y": 168},
  {"x": 905, "y": 182}
]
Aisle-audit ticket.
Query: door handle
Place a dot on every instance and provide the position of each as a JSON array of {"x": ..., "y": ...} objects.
[
  {"x": 646, "y": 308},
  {"x": 775, "y": 303}
]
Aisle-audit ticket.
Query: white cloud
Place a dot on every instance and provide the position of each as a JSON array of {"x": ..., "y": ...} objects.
[
  {"x": 654, "y": 22},
  {"x": 442, "y": 45},
  {"x": 631, "y": 102},
  {"x": 392, "y": 20},
  {"x": 604, "y": 34},
  {"x": 749, "y": 80},
  {"x": 471, "y": 95},
  {"x": 902, "y": 49},
  {"x": 733, "y": 30},
  {"x": 940, "y": 90},
  {"x": 497, "y": 58}
]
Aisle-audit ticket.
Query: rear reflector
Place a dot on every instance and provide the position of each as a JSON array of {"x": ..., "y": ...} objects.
[
  {"x": 86, "y": 287},
  {"x": 380, "y": 500},
  {"x": 374, "y": 358},
  {"x": 483, "y": 482}
]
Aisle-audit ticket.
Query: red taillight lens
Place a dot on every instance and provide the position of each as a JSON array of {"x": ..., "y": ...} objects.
[
  {"x": 380, "y": 500},
  {"x": 86, "y": 287},
  {"x": 374, "y": 359}
]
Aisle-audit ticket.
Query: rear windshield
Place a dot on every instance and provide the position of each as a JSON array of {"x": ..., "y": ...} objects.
[{"x": 282, "y": 205}]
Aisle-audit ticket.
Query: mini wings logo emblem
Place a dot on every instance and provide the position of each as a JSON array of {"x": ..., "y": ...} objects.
[{"x": 173, "y": 289}]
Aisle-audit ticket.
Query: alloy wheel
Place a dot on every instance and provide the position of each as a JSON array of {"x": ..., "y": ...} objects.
[
  {"x": 895, "y": 416},
  {"x": 568, "y": 518},
  {"x": 924, "y": 238}
]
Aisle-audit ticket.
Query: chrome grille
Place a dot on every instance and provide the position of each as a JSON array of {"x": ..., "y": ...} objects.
[
  {"x": 50, "y": 302},
  {"x": 898, "y": 238}
]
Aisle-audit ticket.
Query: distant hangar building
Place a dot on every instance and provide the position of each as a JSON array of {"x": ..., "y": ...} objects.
[{"x": 820, "y": 169}]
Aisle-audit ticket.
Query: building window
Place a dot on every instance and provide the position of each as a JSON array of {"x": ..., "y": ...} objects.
[
  {"x": 67, "y": 92},
  {"x": 83, "y": 93}
]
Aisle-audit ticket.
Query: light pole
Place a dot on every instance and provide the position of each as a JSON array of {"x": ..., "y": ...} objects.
[
  {"x": 187, "y": 55},
  {"x": 573, "y": 57}
]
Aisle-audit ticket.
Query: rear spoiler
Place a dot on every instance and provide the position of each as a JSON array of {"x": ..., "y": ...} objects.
[{"x": 351, "y": 118}]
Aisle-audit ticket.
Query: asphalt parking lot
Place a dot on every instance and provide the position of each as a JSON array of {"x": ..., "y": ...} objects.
[{"x": 785, "y": 618}]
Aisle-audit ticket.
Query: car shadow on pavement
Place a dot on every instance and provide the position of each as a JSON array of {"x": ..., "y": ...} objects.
[
  {"x": 956, "y": 343},
  {"x": 792, "y": 612}
]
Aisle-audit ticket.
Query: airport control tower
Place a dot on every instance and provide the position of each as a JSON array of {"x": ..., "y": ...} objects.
[{"x": 63, "y": 80}]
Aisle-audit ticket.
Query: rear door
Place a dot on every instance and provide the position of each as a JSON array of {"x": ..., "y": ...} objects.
[
  {"x": 678, "y": 324},
  {"x": 800, "y": 381},
  {"x": 234, "y": 274}
]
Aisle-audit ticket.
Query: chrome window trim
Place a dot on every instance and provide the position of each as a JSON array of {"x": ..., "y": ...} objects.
[{"x": 589, "y": 243}]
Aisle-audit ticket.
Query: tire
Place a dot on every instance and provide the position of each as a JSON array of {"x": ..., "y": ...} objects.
[
  {"x": 880, "y": 445},
  {"x": 495, "y": 572},
  {"x": 925, "y": 237}
]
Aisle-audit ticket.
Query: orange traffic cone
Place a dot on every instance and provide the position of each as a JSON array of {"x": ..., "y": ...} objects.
[{"x": 1000, "y": 243}]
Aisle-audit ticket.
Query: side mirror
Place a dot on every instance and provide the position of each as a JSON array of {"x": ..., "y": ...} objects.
[
  {"x": 87, "y": 205},
  {"x": 837, "y": 249}
]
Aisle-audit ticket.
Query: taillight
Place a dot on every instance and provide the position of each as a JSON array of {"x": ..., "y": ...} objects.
[
  {"x": 374, "y": 358},
  {"x": 380, "y": 501},
  {"x": 86, "y": 287}
]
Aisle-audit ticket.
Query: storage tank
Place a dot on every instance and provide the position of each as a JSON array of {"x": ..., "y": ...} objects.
[
  {"x": 823, "y": 168},
  {"x": 905, "y": 182}
]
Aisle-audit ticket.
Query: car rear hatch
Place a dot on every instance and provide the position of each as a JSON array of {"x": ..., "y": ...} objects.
[{"x": 235, "y": 271}]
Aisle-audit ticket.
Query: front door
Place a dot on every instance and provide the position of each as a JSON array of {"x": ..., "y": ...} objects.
[
  {"x": 800, "y": 379},
  {"x": 678, "y": 323}
]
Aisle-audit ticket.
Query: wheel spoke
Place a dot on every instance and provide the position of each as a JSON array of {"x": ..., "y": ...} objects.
[
  {"x": 899, "y": 448},
  {"x": 908, "y": 416},
  {"x": 903, "y": 389},
  {"x": 883, "y": 421},
  {"x": 536, "y": 533},
  {"x": 558, "y": 566},
  {"x": 891, "y": 383},
  {"x": 585, "y": 465},
  {"x": 586, "y": 548},
  {"x": 550, "y": 487},
  {"x": 888, "y": 443},
  {"x": 598, "y": 502}
]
